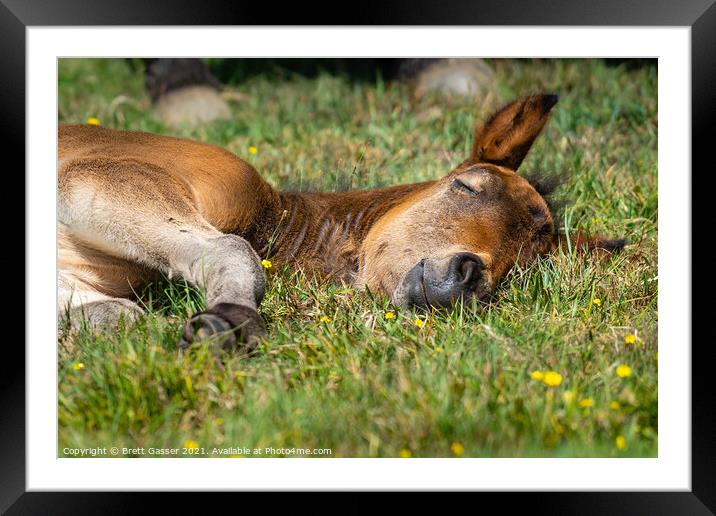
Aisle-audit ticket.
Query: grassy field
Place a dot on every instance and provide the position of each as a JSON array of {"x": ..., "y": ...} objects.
[{"x": 334, "y": 372}]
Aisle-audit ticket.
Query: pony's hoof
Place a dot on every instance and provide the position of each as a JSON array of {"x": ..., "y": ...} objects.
[{"x": 228, "y": 327}]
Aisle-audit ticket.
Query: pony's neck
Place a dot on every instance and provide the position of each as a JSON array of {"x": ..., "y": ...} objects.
[{"x": 323, "y": 232}]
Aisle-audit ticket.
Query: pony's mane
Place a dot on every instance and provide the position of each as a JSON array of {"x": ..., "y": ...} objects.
[{"x": 547, "y": 184}]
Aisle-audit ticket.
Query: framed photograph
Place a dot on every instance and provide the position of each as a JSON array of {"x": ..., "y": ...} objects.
[{"x": 394, "y": 256}]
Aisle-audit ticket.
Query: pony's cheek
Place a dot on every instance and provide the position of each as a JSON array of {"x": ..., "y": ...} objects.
[{"x": 381, "y": 273}]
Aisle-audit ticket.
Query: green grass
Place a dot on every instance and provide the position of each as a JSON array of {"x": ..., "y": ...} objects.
[{"x": 363, "y": 385}]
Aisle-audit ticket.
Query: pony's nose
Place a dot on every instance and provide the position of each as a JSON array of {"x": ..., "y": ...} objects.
[
  {"x": 445, "y": 281},
  {"x": 441, "y": 282}
]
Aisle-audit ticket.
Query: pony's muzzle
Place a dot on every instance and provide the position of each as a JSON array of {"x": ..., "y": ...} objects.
[{"x": 441, "y": 282}]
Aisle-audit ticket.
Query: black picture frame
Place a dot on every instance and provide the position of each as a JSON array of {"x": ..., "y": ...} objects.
[{"x": 699, "y": 15}]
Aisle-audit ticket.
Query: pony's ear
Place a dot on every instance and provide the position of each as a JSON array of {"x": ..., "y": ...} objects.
[
  {"x": 596, "y": 244},
  {"x": 507, "y": 135}
]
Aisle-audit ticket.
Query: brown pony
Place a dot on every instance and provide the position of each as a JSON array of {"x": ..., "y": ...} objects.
[{"x": 133, "y": 205}]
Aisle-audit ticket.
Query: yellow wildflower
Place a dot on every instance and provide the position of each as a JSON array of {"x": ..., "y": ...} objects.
[
  {"x": 630, "y": 339},
  {"x": 457, "y": 449},
  {"x": 419, "y": 323},
  {"x": 405, "y": 453},
  {"x": 325, "y": 319},
  {"x": 438, "y": 350},
  {"x": 191, "y": 445},
  {"x": 78, "y": 366},
  {"x": 552, "y": 378},
  {"x": 266, "y": 264},
  {"x": 390, "y": 315},
  {"x": 623, "y": 371},
  {"x": 537, "y": 375},
  {"x": 586, "y": 403},
  {"x": 620, "y": 442},
  {"x": 568, "y": 396},
  {"x": 93, "y": 121},
  {"x": 253, "y": 150},
  {"x": 597, "y": 302},
  {"x": 615, "y": 405}
]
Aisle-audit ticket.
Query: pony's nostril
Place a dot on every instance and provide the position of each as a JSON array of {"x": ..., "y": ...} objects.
[{"x": 468, "y": 267}]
